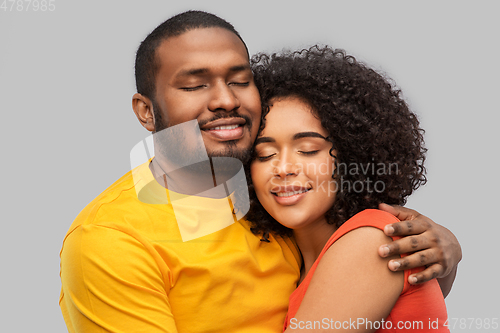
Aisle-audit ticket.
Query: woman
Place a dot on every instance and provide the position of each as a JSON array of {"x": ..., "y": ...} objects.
[{"x": 336, "y": 140}]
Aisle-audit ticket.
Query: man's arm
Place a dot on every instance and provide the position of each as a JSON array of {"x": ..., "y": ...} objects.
[
  {"x": 433, "y": 245},
  {"x": 111, "y": 281}
]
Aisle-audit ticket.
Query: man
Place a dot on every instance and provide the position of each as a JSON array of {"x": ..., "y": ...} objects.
[{"x": 138, "y": 259}]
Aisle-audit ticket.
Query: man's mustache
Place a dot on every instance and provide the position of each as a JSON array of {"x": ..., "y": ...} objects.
[{"x": 222, "y": 115}]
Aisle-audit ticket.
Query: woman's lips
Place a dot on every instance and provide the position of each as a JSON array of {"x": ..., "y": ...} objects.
[{"x": 288, "y": 196}]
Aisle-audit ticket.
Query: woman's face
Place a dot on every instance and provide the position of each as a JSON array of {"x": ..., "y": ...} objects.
[{"x": 292, "y": 171}]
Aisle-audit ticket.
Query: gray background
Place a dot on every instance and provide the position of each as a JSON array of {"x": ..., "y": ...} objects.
[{"x": 66, "y": 82}]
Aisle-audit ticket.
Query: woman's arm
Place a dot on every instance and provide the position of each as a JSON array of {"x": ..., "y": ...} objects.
[{"x": 350, "y": 285}]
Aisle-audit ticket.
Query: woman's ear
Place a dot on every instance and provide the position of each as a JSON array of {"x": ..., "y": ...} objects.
[{"x": 143, "y": 109}]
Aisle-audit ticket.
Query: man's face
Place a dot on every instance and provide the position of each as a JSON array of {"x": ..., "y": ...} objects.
[{"x": 205, "y": 75}]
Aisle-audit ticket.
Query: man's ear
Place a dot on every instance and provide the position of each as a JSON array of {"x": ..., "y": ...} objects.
[{"x": 143, "y": 109}]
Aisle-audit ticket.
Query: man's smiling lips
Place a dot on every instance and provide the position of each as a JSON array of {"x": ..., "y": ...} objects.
[
  {"x": 289, "y": 195},
  {"x": 225, "y": 129}
]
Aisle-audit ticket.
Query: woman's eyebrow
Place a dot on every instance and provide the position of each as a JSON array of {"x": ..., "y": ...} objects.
[
  {"x": 264, "y": 139},
  {"x": 308, "y": 135},
  {"x": 297, "y": 136}
]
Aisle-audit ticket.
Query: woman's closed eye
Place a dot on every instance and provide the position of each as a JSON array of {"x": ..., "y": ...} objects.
[
  {"x": 310, "y": 152},
  {"x": 265, "y": 157}
]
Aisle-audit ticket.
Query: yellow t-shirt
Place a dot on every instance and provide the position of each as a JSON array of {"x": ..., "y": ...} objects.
[{"x": 126, "y": 268}]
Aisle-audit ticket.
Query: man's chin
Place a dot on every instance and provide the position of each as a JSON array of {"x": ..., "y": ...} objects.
[{"x": 242, "y": 154}]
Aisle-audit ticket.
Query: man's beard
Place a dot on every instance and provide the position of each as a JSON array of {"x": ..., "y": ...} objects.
[
  {"x": 180, "y": 148},
  {"x": 223, "y": 168},
  {"x": 177, "y": 143}
]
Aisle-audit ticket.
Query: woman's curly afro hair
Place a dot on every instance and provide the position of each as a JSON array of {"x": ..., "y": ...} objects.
[{"x": 377, "y": 138}]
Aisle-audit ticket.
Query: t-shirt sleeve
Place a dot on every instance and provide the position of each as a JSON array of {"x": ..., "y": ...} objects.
[{"x": 113, "y": 282}]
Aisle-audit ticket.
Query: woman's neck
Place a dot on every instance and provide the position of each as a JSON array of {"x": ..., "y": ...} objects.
[{"x": 311, "y": 240}]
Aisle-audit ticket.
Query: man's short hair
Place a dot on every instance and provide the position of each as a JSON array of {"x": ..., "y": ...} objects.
[{"x": 146, "y": 62}]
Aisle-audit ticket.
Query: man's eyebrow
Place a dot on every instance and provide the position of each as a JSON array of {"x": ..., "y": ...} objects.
[
  {"x": 203, "y": 71},
  {"x": 239, "y": 68},
  {"x": 264, "y": 139},
  {"x": 308, "y": 135},
  {"x": 191, "y": 72}
]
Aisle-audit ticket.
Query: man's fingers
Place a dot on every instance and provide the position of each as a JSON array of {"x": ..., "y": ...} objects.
[
  {"x": 405, "y": 228},
  {"x": 419, "y": 259},
  {"x": 428, "y": 274},
  {"x": 404, "y": 245},
  {"x": 402, "y": 213}
]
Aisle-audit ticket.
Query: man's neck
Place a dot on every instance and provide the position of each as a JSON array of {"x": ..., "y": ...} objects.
[{"x": 189, "y": 180}]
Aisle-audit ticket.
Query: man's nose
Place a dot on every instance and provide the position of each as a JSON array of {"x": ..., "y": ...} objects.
[{"x": 223, "y": 98}]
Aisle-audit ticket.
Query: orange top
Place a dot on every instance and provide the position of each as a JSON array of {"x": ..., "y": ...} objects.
[{"x": 418, "y": 308}]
